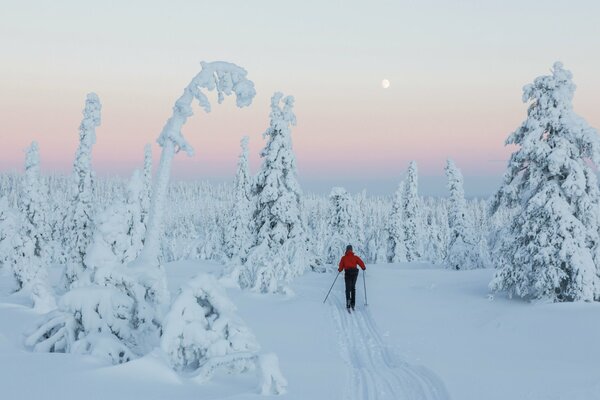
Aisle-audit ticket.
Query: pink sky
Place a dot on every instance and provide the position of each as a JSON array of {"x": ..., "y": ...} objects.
[{"x": 456, "y": 80}]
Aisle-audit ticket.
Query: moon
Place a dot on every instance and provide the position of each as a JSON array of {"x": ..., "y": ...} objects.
[{"x": 385, "y": 83}]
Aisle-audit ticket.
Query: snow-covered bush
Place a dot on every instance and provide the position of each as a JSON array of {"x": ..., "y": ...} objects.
[
  {"x": 550, "y": 249},
  {"x": 117, "y": 318},
  {"x": 202, "y": 331},
  {"x": 90, "y": 320},
  {"x": 272, "y": 381}
]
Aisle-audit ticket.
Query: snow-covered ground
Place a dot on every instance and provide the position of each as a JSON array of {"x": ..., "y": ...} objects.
[{"x": 426, "y": 333}]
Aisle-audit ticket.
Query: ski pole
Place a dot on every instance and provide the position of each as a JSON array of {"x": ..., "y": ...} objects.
[
  {"x": 365, "y": 284},
  {"x": 338, "y": 274}
]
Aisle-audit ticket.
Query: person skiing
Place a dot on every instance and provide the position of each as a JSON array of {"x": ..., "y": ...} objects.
[{"x": 349, "y": 263}]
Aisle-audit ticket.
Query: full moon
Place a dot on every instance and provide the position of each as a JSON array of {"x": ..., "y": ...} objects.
[{"x": 385, "y": 84}]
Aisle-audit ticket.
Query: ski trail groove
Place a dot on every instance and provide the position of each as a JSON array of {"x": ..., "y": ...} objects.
[{"x": 375, "y": 371}]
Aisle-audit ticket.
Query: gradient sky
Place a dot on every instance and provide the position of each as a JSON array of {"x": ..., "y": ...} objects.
[{"x": 456, "y": 70}]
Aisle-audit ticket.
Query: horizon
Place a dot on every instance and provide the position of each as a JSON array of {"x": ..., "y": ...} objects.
[{"x": 454, "y": 85}]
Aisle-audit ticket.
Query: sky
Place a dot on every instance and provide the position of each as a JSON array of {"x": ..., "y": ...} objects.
[{"x": 456, "y": 72}]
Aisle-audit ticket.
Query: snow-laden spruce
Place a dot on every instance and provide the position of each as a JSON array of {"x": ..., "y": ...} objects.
[
  {"x": 30, "y": 253},
  {"x": 396, "y": 250},
  {"x": 120, "y": 231},
  {"x": 280, "y": 251},
  {"x": 146, "y": 192},
  {"x": 238, "y": 233},
  {"x": 411, "y": 218},
  {"x": 344, "y": 226},
  {"x": 375, "y": 217},
  {"x": 9, "y": 226},
  {"x": 79, "y": 220},
  {"x": 435, "y": 230},
  {"x": 463, "y": 250},
  {"x": 550, "y": 249}
]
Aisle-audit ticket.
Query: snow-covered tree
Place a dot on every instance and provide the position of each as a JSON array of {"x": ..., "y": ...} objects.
[
  {"x": 377, "y": 236},
  {"x": 119, "y": 230},
  {"x": 411, "y": 215},
  {"x": 343, "y": 225},
  {"x": 146, "y": 192},
  {"x": 396, "y": 235},
  {"x": 280, "y": 252},
  {"x": 30, "y": 256},
  {"x": 78, "y": 225},
  {"x": 9, "y": 226},
  {"x": 550, "y": 249},
  {"x": 238, "y": 235},
  {"x": 436, "y": 232},
  {"x": 463, "y": 250}
]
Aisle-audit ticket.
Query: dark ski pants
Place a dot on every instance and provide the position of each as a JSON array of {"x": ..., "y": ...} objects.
[{"x": 350, "y": 276}]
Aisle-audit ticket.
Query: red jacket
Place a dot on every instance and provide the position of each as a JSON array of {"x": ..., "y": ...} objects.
[{"x": 349, "y": 261}]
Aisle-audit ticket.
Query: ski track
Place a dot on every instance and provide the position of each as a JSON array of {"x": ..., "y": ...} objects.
[{"x": 376, "y": 372}]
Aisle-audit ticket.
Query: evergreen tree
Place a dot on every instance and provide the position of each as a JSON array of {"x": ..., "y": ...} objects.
[
  {"x": 238, "y": 234},
  {"x": 280, "y": 251},
  {"x": 463, "y": 252},
  {"x": 396, "y": 234},
  {"x": 78, "y": 224},
  {"x": 146, "y": 192},
  {"x": 550, "y": 249},
  {"x": 411, "y": 215},
  {"x": 30, "y": 256},
  {"x": 8, "y": 230},
  {"x": 344, "y": 226}
]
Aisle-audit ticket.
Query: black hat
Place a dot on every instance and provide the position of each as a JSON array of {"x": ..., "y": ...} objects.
[{"x": 349, "y": 247}]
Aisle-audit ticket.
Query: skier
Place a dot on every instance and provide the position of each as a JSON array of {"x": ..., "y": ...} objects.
[{"x": 349, "y": 264}]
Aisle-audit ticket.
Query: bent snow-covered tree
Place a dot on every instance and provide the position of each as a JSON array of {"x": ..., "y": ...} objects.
[
  {"x": 463, "y": 251},
  {"x": 78, "y": 223},
  {"x": 226, "y": 79},
  {"x": 280, "y": 251},
  {"x": 550, "y": 249}
]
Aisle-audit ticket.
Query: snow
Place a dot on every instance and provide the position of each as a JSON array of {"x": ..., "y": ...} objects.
[{"x": 426, "y": 330}]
